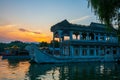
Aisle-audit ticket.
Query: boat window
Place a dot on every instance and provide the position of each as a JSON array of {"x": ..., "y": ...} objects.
[
  {"x": 91, "y": 52},
  {"x": 107, "y": 52},
  {"x": 91, "y": 35},
  {"x": 84, "y": 35},
  {"x": 66, "y": 38},
  {"x": 114, "y": 52},
  {"x": 96, "y": 38},
  {"x": 97, "y": 53},
  {"x": 66, "y": 51},
  {"x": 92, "y": 46},
  {"x": 102, "y": 38},
  {"x": 84, "y": 46},
  {"x": 84, "y": 52},
  {"x": 76, "y": 53}
]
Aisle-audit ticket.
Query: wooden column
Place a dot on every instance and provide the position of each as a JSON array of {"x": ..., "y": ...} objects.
[
  {"x": 87, "y": 37},
  {"x": 94, "y": 37},
  {"x": 95, "y": 51},
  {"x": 80, "y": 50},
  {"x": 88, "y": 50},
  {"x": 105, "y": 37},
  {"x": 98, "y": 36},
  {"x": 80, "y": 34},
  {"x": 71, "y": 51},
  {"x": 71, "y": 33},
  {"x": 60, "y": 41}
]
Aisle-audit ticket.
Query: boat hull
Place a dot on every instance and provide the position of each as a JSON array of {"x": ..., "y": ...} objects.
[{"x": 42, "y": 57}]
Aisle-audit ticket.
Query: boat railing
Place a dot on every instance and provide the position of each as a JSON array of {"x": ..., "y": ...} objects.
[{"x": 103, "y": 41}]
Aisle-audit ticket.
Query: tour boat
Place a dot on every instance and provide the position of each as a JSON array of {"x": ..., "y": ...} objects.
[{"x": 79, "y": 43}]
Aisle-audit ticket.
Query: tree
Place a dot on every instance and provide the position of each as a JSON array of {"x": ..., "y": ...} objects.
[
  {"x": 55, "y": 43},
  {"x": 20, "y": 44},
  {"x": 108, "y": 11},
  {"x": 2, "y": 46},
  {"x": 43, "y": 44}
]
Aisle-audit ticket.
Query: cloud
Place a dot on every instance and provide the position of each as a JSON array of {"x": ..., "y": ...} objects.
[
  {"x": 37, "y": 32},
  {"x": 25, "y": 30},
  {"x": 80, "y": 19},
  {"x": 8, "y": 33}
]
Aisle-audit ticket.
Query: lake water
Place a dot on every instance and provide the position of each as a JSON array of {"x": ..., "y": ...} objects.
[{"x": 23, "y": 70}]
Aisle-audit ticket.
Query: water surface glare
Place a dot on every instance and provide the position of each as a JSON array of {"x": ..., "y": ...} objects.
[{"x": 23, "y": 70}]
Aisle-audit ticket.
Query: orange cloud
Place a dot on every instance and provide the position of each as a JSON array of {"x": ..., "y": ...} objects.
[
  {"x": 11, "y": 32},
  {"x": 25, "y": 30}
]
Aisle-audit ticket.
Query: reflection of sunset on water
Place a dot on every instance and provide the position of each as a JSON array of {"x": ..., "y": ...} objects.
[{"x": 13, "y": 70}]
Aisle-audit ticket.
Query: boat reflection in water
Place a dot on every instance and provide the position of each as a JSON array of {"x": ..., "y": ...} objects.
[
  {"x": 23, "y": 70},
  {"x": 74, "y": 71}
]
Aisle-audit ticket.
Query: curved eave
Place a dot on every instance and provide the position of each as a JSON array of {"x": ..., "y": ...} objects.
[{"x": 82, "y": 29}]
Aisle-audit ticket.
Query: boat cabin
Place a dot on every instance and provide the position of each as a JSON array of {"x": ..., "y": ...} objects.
[{"x": 94, "y": 40}]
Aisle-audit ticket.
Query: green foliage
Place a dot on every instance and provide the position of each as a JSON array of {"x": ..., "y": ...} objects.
[
  {"x": 2, "y": 46},
  {"x": 107, "y": 10},
  {"x": 55, "y": 43},
  {"x": 43, "y": 44},
  {"x": 19, "y": 44}
]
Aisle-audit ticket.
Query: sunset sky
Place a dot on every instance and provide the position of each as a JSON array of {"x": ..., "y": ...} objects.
[{"x": 30, "y": 20}]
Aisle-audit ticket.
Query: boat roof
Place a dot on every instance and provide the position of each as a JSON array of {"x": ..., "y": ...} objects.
[{"x": 93, "y": 27}]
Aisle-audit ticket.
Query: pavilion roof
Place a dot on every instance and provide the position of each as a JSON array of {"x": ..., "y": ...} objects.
[{"x": 93, "y": 27}]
